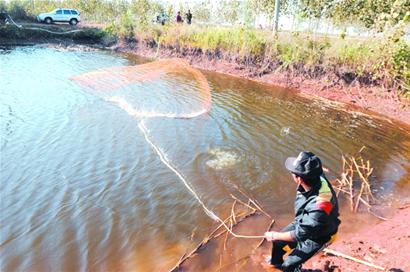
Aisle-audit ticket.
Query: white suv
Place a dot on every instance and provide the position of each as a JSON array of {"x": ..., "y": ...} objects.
[{"x": 71, "y": 16}]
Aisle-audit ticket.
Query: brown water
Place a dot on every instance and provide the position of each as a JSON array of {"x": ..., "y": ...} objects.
[{"x": 81, "y": 189}]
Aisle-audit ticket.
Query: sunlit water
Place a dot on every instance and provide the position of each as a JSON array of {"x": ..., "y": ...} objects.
[{"x": 81, "y": 189}]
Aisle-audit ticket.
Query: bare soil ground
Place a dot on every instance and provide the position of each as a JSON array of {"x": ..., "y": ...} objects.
[{"x": 386, "y": 244}]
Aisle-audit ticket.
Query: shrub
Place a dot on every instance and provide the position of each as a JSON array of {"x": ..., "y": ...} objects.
[
  {"x": 400, "y": 69},
  {"x": 17, "y": 10}
]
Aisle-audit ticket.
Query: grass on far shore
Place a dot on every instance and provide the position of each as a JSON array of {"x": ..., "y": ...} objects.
[{"x": 382, "y": 61}]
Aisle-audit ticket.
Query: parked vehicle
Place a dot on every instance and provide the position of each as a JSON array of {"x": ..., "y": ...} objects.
[{"x": 71, "y": 16}]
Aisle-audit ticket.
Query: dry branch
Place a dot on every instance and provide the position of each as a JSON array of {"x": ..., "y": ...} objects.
[
  {"x": 253, "y": 201},
  {"x": 252, "y": 252},
  {"x": 206, "y": 240},
  {"x": 232, "y": 221},
  {"x": 339, "y": 254}
]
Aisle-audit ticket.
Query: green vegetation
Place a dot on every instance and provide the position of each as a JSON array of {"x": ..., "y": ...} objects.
[
  {"x": 382, "y": 59},
  {"x": 373, "y": 61}
]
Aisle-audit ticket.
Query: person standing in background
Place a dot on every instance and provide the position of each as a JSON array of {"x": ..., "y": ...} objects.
[
  {"x": 189, "y": 17},
  {"x": 179, "y": 18}
]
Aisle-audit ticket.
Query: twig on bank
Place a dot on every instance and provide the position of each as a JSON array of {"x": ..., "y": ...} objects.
[
  {"x": 243, "y": 203},
  {"x": 378, "y": 216},
  {"x": 268, "y": 229},
  {"x": 231, "y": 220},
  {"x": 233, "y": 212},
  {"x": 405, "y": 206},
  {"x": 339, "y": 254}
]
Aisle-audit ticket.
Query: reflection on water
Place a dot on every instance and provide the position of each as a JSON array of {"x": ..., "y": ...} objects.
[{"x": 82, "y": 189}]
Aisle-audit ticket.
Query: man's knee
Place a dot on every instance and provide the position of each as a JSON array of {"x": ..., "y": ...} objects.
[{"x": 303, "y": 252}]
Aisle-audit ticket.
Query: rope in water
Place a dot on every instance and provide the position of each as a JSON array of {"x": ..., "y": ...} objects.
[
  {"x": 168, "y": 163},
  {"x": 42, "y": 29}
]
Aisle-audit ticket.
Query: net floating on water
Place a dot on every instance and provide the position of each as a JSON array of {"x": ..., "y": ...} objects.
[{"x": 169, "y": 88}]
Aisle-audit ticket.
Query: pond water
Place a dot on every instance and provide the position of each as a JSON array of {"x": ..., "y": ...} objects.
[{"x": 82, "y": 189}]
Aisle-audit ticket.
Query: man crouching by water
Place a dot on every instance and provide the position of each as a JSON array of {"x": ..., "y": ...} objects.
[{"x": 316, "y": 215}]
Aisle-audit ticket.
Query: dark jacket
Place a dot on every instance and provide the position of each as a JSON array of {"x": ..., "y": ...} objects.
[{"x": 316, "y": 213}]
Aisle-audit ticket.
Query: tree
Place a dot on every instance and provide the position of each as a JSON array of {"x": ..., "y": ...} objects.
[
  {"x": 315, "y": 8},
  {"x": 248, "y": 13},
  {"x": 268, "y": 7},
  {"x": 373, "y": 14},
  {"x": 142, "y": 9},
  {"x": 228, "y": 11},
  {"x": 202, "y": 11}
]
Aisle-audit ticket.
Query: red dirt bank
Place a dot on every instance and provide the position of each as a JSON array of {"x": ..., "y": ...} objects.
[{"x": 386, "y": 244}]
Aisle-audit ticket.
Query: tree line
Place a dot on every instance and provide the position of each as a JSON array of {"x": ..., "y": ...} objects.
[{"x": 376, "y": 15}]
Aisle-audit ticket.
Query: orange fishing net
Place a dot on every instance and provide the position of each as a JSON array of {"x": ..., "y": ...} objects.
[{"x": 165, "y": 88}]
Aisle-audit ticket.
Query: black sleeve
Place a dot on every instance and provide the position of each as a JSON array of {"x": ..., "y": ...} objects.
[{"x": 311, "y": 225}]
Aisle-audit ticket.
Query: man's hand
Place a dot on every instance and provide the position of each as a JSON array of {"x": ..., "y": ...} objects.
[{"x": 271, "y": 235}]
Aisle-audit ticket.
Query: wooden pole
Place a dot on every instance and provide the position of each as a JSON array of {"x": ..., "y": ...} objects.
[
  {"x": 339, "y": 254},
  {"x": 276, "y": 23}
]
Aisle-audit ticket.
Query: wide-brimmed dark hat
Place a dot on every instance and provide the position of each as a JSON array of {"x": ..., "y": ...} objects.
[{"x": 306, "y": 165}]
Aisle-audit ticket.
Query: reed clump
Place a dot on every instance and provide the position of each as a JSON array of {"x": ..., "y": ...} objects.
[{"x": 355, "y": 184}]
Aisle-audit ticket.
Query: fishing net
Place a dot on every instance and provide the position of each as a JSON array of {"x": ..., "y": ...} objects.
[{"x": 168, "y": 88}]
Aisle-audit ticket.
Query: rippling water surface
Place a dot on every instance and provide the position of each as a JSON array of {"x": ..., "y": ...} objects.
[{"x": 81, "y": 189}]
